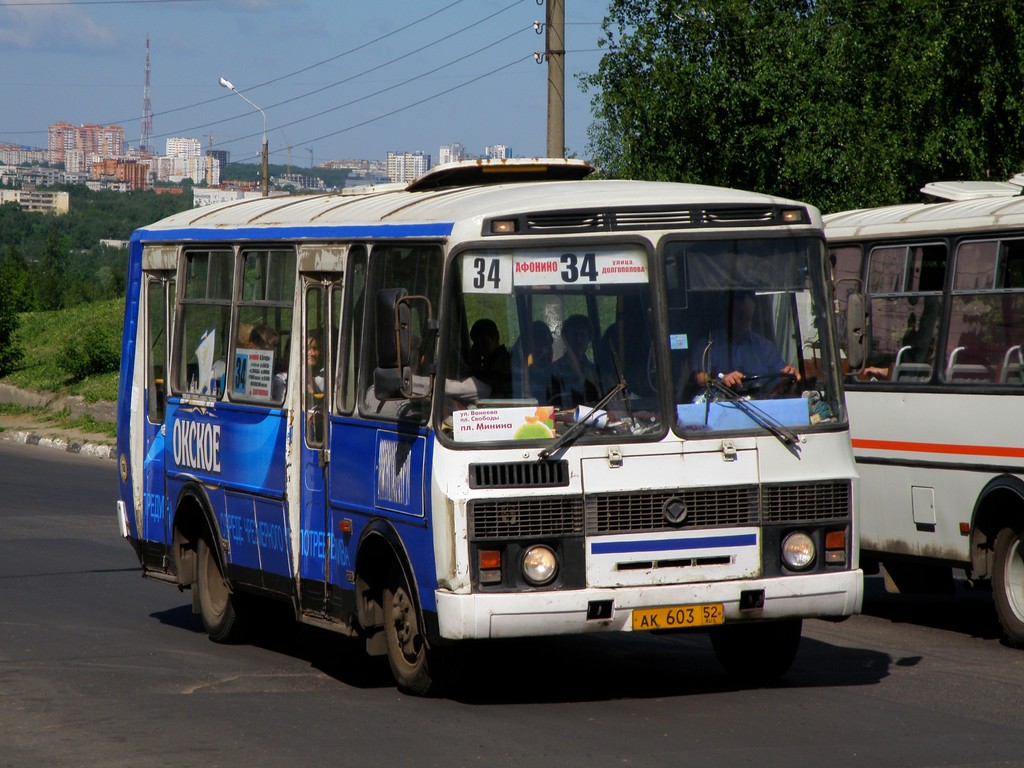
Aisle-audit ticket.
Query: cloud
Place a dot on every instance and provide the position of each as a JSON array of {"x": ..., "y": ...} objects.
[{"x": 30, "y": 25}]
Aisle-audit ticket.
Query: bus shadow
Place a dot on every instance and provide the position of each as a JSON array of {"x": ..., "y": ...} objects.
[
  {"x": 633, "y": 666},
  {"x": 967, "y": 611},
  {"x": 276, "y": 631},
  {"x": 560, "y": 669}
]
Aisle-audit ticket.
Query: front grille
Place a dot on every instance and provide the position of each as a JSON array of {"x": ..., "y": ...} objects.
[
  {"x": 705, "y": 508},
  {"x": 595, "y": 221},
  {"x": 491, "y": 519},
  {"x": 617, "y": 513},
  {"x": 744, "y": 215},
  {"x": 631, "y": 219},
  {"x": 806, "y": 502},
  {"x": 519, "y": 474}
]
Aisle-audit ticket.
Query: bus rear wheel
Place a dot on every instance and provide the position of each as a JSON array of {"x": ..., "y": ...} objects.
[
  {"x": 216, "y": 605},
  {"x": 406, "y": 646},
  {"x": 1008, "y": 584},
  {"x": 757, "y": 653}
]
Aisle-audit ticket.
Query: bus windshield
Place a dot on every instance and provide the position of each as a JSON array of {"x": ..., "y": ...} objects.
[
  {"x": 748, "y": 333},
  {"x": 537, "y": 338}
]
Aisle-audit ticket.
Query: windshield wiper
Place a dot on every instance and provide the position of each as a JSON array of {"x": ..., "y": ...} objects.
[
  {"x": 782, "y": 433},
  {"x": 573, "y": 432}
]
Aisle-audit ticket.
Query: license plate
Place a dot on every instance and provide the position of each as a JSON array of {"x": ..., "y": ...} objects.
[{"x": 678, "y": 616}]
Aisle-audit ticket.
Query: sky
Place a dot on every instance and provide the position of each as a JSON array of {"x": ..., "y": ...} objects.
[{"x": 336, "y": 79}]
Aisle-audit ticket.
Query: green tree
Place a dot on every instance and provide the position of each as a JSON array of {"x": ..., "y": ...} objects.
[
  {"x": 844, "y": 103},
  {"x": 10, "y": 352}
]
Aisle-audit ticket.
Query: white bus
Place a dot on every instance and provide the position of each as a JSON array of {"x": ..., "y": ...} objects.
[
  {"x": 931, "y": 300},
  {"x": 482, "y": 405}
]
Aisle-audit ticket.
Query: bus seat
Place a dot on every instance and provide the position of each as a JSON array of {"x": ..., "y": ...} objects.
[
  {"x": 902, "y": 371},
  {"x": 965, "y": 371},
  {"x": 1012, "y": 371}
]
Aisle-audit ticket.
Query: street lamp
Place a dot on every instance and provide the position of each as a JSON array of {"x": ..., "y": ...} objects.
[{"x": 266, "y": 182}]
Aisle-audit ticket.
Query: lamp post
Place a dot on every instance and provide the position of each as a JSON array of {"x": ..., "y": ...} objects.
[{"x": 265, "y": 181}]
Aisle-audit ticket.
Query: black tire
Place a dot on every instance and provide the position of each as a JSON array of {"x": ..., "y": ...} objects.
[
  {"x": 757, "y": 653},
  {"x": 217, "y": 606},
  {"x": 406, "y": 646},
  {"x": 1008, "y": 584}
]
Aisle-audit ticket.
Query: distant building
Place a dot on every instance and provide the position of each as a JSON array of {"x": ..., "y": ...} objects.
[
  {"x": 14, "y": 154},
  {"x": 223, "y": 156},
  {"x": 135, "y": 175},
  {"x": 403, "y": 167},
  {"x": 204, "y": 197},
  {"x": 498, "y": 152},
  {"x": 36, "y": 200},
  {"x": 184, "y": 148},
  {"x": 101, "y": 140},
  {"x": 298, "y": 181},
  {"x": 451, "y": 153}
]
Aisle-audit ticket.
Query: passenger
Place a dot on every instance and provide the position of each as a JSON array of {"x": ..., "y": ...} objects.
[
  {"x": 532, "y": 362},
  {"x": 314, "y": 367},
  {"x": 489, "y": 359},
  {"x": 263, "y": 337},
  {"x": 574, "y": 375},
  {"x": 738, "y": 352}
]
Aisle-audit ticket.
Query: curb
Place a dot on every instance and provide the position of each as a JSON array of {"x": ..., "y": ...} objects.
[{"x": 97, "y": 450}]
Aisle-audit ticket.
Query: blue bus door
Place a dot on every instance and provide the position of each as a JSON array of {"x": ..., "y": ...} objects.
[
  {"x": 319, "y": 334},
  {"x": 159, "y": 301}
]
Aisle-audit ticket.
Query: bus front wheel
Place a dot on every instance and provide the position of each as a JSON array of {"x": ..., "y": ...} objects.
[
  {"x": 220, "y": 618},
  {"x": 406, "y": 646},
  {"x": 757, "y": 653},
  {"x": 1008, "y": 584}
]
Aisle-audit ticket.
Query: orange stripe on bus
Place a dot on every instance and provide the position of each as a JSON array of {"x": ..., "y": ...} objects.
[{"x": 964, "y": 450}]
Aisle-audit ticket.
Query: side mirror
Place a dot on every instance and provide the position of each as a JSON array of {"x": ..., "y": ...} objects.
[
  {"x": 856, "y": 329},
  {"x": 393, "y": 377},
  {"x": 393, "y": 336}
]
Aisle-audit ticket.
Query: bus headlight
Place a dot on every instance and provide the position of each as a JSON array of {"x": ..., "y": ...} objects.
[
  {"x": 797, "y": 551},
  {"x": 540, "y": 566}
]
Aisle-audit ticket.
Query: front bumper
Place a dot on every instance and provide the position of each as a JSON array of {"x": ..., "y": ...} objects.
[{"x": 527, "y": 614}]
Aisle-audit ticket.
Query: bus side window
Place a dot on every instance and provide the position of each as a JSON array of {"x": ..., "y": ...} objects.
[
  {"x": 904, "y": 286},
  {"x": 260, "y": 359},
  {"x": 986, "y": 318},
  {"x": 417, "y": 269},
  {"x": 205, "y": 317},
  {"x": 846, "y": 261},
  {"x": 352, "y": 327},
  {"x": 160, "y": 297}
]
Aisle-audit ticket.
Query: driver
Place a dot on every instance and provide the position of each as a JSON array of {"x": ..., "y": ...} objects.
[{"x": 737, "y": 352}]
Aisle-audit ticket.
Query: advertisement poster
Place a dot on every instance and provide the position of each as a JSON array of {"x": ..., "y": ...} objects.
[{"x": 483, "y": 424}]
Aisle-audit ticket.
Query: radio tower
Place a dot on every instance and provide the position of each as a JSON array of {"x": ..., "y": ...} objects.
[{"x": 146, "y": 138}]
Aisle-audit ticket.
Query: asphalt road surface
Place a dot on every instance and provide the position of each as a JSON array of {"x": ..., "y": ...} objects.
[{"x": 99, "y": 667}]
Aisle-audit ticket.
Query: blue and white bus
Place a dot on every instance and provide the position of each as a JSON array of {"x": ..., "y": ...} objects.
[{"x": 483, "y": 405}]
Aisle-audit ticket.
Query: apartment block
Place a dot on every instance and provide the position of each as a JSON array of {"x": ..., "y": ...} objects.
[
  {"x": 99, "y": 140},
  {"x": 134, "y": 175},
  {"x": 39, "y": 201},
  {"x": 403, "y": 167}
]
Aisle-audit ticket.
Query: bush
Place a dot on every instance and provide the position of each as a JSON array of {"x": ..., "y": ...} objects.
[{"x": 96, "y": 350}]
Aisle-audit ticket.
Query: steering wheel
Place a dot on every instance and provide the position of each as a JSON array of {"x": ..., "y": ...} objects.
[{"x": 767, "y": 385}]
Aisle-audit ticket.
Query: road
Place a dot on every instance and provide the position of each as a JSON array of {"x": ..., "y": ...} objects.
[{"x": 99, "y": 667}]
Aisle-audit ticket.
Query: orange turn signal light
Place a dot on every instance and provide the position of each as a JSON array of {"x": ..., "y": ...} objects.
[
  {"x": 490, "y": 559},
  {"x": 835, "y": 540}
]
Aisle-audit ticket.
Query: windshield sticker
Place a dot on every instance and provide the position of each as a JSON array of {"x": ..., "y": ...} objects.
[
  {"x": 254, "y": 373},
  {"x": 499, "y": 273},
  {"x": 482, "y": 424}
]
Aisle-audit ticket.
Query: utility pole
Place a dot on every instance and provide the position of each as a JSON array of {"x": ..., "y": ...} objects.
[{"x": 555, "y": 54}]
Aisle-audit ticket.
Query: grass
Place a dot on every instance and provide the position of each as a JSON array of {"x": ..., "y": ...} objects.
[
  {"x": 42, "y": 336},
  {"x": 62, "y": 419}
]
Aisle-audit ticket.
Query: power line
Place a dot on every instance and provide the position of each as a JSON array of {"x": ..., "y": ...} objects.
[
  {"x": 420, "y": 76},
  {"x": 99, "y": 2}
]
